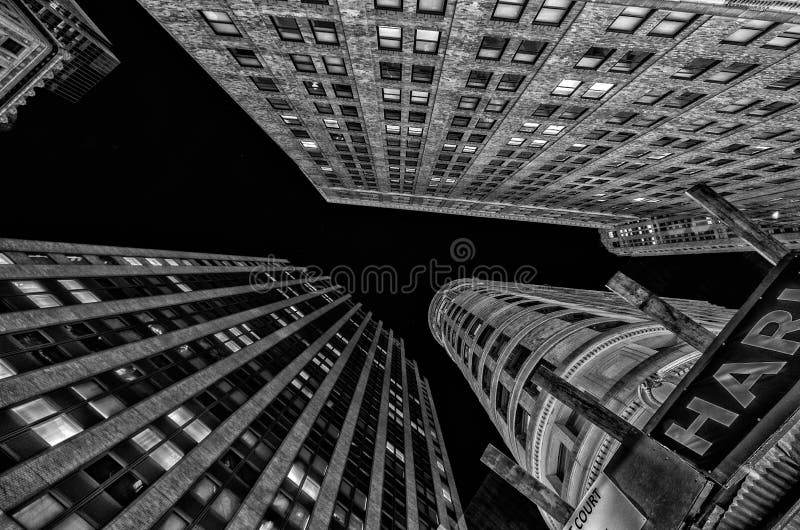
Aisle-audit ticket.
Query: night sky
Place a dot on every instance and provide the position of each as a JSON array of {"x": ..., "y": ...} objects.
[{"x": 158, "y": 156}]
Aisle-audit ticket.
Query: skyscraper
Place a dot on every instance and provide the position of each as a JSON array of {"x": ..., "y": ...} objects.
[
  {"x": 144, "y": 388},
  {"x": 50, "y": 44},
  {"x": 497, "y": 334},
  {"x": 570, "y": 112}
]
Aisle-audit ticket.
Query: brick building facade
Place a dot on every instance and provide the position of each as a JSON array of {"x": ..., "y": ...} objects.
[{"x": 159, "y": 389}]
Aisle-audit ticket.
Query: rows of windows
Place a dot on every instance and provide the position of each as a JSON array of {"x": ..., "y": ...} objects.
[{"x": 50, "y": 258}]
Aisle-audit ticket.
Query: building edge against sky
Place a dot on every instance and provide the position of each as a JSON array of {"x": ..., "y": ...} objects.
[
  {"x": 497, "y": 333},
  {"x": 147, "y": 387},
  {"x": 584, "y": 113},
  {"x": 48, "y": 44}
]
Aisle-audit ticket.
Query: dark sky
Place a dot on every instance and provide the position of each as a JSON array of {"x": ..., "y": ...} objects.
[{"x": 159, "y": 156}]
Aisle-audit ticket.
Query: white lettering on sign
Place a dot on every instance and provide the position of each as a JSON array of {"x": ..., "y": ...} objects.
[
  {"x": 707, "y": 411},
  {"x": 605, "y": 507},
  {"x": 753, "y": 371},
  {"x": 775, "y": 341}
]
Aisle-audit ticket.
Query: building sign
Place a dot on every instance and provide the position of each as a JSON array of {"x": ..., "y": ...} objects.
[
  {"x": 725, "y": 401},
  {"x": 605, "y": 507}
]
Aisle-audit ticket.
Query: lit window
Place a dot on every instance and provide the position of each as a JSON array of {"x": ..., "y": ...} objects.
[
  {"x": 166, "y": 455},
  {"x": 53, "y": 431},
  {"x": 468, "y": 102},
  {"x": 392, "y": 129},
  {"x": 784, "y": 40},
  {"x": 182, "y": 286},
  {"x": 496, "y": 105},
  {"x": 389, "y": 4},
  {"x": 552, "y": 130},
  {"x": 334, "y": 65},
  {"x": 538, "y": 144},
  {"x": 5, "y": 370},
  {"x": 264, "y": 83},
  {"x": 552, "y": 12},
  {"x": 485, "y": 123},
  {"x": 433, "y": 7},
  {"x": 390, "y": 38},
  {"x": 419, "y": 97},
  {"x": 391, "y": 94},
  {"x": 80, "y": 292},
  {"x": 598, "y": 90},
  {"x": 694, "y": 68},
  {"x": 509, "y": 9},
  {"x": 132, "y": 261},
  {"x": 290, "y": 119},
  {"x": 246, "y": 57},
  {"x": 528, "y": 51},
  {"x": 672, "y": 24},
  {"x": 303, "y": 63},
  {"x": 5, "y": 260},
  {"x": 331, "y": 124},
  {"x": 39, "y": 512},
  {"x": 478, "y": 79},
  {"x": 426, "y": 41},
  {"x": 726, "y": 74},
  {"x": 314, "y": 88},
  {"x": 36, "y": 293},
  {"x": 324, "y": 32},
  {"x": 629, "y": 62},
  {"x": 492, "y": 48},
  {"x": 415, "y": 131},
  {"x": 469, "y": 149},
  {"x": 516, "y": 141},
  {"x": 287, "y": 28},
  {"x": 594, "y": 57},
  {"x": 790, "y": 81},
  {"x": 749, "y": 32},
  {"x": 308, "y": 144},
  {"x": 221, "y": 23},
  {"x": 510, "y": 82},
  {"x": 566, "y": 87},
  {"x": 154, "y": 262},
  {"x": 629, "y": 19},
  {"x": 529, "y": 127}
]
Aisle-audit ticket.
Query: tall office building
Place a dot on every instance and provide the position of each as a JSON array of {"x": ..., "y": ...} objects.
[
  {"x": 686, "y": 234},
  {"x": 158, "y": 389},
  {"x": 587, "y": 113},
  {"x": 50, "y": 44},
  {"x": 497, "y": 334}
]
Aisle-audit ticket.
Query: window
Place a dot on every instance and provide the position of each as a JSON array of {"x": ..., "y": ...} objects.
[
  {"x": 509, "y": 9},
  {"x": 552, "y": 12},
  {"x": 245, "y": 57},
  {"x": 324, "y": 32},
  {"x": 348, "y": 110},
  {"x": 396, "y": 5},
  {"x": 264, "y": 83},
  {"x": 419, "y": 97},
  {"x": 39, "y": 512},
  {"x": 5, "y": 260},
  {"x": 391, "y": 71},
  {"x": 771, "y": 108},
  {"x": 35, "y": 293},
  {"x": 726, "y": 74},
  {"x": 391, "y": 114},
  {"x": 492, "y": 48},
  {"x": 738, "y": 105},
  {"x": 629, "y": 62},
  {"x": 552, "y": 130},
  {"x": 391, "y": 95},
  {"x": 790, "y": 81},
  {"x": 166, "y": 455},
  {"x": 468, "y": 102},
  {"x": 414, "y": 131},
  {"x": 80, "y": 292},
  {"x": 694, "y": 68},
  {"x": 53, "y": 431},
  {"x": 279, "y": 104},
  {"x": 314, "y": 88},
  {"x": 652, "y": 97},
  {"x": 12, "y": 46},
  {"x": 566, "y": 87},
  {"x": 749, "y": 32},
  {"x": 572, "y": 113},
  {"x": 629, "y": 19},
  {"x": 330, "y": 123},
  {"x": 426, "y": 41},
  {"x": 390, "y": 38},
  {"x": 516, "y": 142},
  {"x": 421, "y": 74},
  {"x": 485, "y": 123},
  {"x": 529, "y": 127},
  {"x": 784, "y": 40},
  {"x": 510, "y": 82},
  {"x": 594, "y": 57},
  {"x": 323, "y": 108},
  {"x": 496, "y": 105},
  {"x": 221, "y": 23},
  {"x": 528, "y": 51},
  {"x": 416, "y": 117},
  {"x": 303, "y": 63},
  {"x": 478, "y": 79},
  {"x": 334, "y": 65},
  {"x": 672, "y": 24},
  {"x": 287, "y": 28},
  {"x": 433, "y": 7},
  {"x": 545, "y": 110},
  {"x": 343, "y": 91},
  {"x": 460, "y": 121},
  {"x": 469, "y": 149}
]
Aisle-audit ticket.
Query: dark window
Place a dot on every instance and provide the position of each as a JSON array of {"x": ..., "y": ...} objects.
[
  {"x": 245, "y": 57},
  {"x": 391, "y": 71},
  {"x": 287, "y": 28}
]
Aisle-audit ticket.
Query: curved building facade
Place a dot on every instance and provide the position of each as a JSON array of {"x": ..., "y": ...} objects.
[{"x": 497, "y": 334}]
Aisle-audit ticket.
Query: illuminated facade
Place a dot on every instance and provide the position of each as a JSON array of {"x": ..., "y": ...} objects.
[
  {"x": 571, "y": 112},
  {"x": 497, "y": 333},
  {"x": 159, "y": 389}
]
